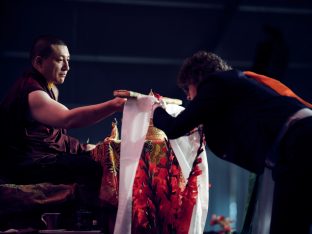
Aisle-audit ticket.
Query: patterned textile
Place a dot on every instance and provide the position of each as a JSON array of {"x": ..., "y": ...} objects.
[
  {"x": 107, "y": 153},
  {"x": 162, "y": 200}
]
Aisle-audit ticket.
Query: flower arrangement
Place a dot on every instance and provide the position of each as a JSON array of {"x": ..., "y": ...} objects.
[{"x": 224, "y": 223}]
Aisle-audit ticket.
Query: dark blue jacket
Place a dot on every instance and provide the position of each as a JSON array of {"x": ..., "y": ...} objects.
[{"x": 241, "y": 118}]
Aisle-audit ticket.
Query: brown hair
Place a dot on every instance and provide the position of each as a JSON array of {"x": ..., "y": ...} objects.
[{"x": 198, "y": 67}]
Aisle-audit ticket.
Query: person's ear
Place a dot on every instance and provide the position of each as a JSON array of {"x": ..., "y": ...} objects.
[{"x": 37, "y": 62}]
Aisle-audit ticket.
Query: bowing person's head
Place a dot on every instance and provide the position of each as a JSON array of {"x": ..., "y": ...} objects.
[{"x": 197, "y": 68}]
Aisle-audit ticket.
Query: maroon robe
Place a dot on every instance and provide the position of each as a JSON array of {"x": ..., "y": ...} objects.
[{"x": 25, "y": 140}]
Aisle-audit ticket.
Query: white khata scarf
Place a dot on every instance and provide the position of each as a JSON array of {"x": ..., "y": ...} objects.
[{"x": 135, "y": 123}]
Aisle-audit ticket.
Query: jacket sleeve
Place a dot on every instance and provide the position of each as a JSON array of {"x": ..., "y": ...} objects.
[{"x": 200, "y": 110}]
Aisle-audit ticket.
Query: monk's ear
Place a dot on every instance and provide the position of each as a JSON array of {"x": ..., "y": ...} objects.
[{"x": 37, "y": 62}]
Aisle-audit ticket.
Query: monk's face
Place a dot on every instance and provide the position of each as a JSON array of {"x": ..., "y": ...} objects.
[{"x": 55, "y": 67}]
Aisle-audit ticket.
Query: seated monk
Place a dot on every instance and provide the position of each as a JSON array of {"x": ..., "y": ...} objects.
[{"x": 35, "y": 147}]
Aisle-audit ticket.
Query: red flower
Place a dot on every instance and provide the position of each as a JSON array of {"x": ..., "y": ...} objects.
[{"x": 224, "y": 223}]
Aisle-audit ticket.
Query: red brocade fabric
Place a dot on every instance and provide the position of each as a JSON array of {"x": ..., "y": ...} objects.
[
  {"x": 107, "y": 153},
  {"x": 162, "y": 199}
]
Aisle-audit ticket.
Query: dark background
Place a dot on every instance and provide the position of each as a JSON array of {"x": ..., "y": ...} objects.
[{"x": 140, "y": 44}]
